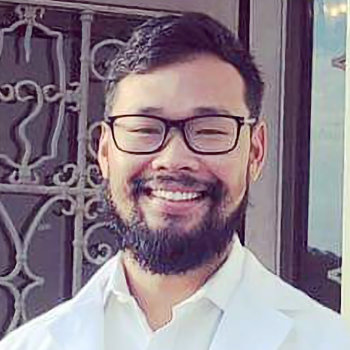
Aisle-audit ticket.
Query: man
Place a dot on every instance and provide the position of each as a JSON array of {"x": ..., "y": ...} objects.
[{"x": 181, "y": 145}]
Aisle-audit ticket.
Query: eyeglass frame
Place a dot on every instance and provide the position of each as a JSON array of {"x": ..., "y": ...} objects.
[{"x": 180, "y": 124}]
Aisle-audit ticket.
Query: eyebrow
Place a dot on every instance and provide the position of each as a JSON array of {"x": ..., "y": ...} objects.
[
  {"x": 198, "y": 111},
  {"x": 210, "y": 110},
  {"x": 154, "y": 111}
]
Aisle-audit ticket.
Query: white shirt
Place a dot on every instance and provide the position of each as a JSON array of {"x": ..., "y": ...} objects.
[
  {"x": 263, "y": 313},
  {"x": 194, "y": 320}
]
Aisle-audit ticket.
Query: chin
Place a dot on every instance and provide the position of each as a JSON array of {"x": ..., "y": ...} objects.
[{"x": 171, "y": 223}]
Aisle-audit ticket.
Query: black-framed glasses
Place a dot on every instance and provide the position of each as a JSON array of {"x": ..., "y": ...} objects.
[{"x": 205, "y": 134}]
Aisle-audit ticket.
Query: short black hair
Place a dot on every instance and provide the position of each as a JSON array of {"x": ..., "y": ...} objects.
[{"x": 171, "y": 39}]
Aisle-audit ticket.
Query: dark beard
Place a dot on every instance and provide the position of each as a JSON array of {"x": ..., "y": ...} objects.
[{"x": 167, "y": 252}]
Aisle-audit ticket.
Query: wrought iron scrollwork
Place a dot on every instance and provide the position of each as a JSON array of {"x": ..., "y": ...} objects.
[
  {"x": 68, "y": 176},
  {"x": 7, "y": 93},
  {"x": 101, "y": 252},
  {"x": 77, "y": 185},
  {"x": 91, "y": 208},
  {"x": 95, "y": 253},
  {"x": 25, "y": 169},
  {"x": 93, "y": 176},
  {"x": 107, "y": 42},
  {"x": 22, "y": 249},
  {"x": 92, "y": 128},
  {"x": 27, "y": 16}
]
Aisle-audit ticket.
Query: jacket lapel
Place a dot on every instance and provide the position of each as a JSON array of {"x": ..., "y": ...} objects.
[
  {"x": 253, "y": 319},
  {"x": 249, "y": 325},
  {"x": 81, "y": 323},
  {"x": 82, "y": 328}
]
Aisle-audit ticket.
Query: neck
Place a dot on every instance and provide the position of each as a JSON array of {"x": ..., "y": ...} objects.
[{"x": 157, "y": 294}]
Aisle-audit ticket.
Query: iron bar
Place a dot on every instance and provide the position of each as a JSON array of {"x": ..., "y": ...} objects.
[
  {"x": 79, "y": 6},
  {"x": 45, "y": 190},
  {"x": 86, "y": 20}
]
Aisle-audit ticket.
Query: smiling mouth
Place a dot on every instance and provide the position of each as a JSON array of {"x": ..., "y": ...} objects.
[{"x": 176, "y": 196}]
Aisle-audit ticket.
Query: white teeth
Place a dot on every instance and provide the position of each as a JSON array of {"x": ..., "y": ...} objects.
[{"x": 175, "y": 196}]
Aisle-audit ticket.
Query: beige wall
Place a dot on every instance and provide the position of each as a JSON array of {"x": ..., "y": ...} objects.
[{"x": 267, "y": 44}]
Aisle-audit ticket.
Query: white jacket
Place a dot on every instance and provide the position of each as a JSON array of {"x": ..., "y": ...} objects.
[{"x": 264, "y": 314}]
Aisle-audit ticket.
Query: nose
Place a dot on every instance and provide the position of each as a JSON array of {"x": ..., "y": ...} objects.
[{"x": 176, "y": 156}]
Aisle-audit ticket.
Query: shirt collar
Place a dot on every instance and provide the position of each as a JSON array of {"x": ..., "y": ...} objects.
[
  {"x": 117, "y": 283},
  {"x": 219, "y": 288},
  {"x": 216, "y": 289}
]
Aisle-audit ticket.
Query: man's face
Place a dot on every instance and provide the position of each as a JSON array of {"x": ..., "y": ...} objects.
[{"x": 173, "y": 178}]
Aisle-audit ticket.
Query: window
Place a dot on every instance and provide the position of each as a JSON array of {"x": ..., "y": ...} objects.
[{"x": 314, "y": 128}]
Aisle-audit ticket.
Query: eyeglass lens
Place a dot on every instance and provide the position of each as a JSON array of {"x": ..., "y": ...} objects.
[{"x": 205, "y": 134}]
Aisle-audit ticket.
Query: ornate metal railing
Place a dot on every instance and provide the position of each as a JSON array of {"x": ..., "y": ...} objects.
[{"x": 74, "y": 186}]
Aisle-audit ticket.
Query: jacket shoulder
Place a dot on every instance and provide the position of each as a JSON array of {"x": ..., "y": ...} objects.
[
  {"x": 34, "y": 334},
  {"x": 313, "y": 324}
]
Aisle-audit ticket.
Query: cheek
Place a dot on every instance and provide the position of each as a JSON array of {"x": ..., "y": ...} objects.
[
  {"x": 232, "y": 172},
  {"x": 123, "y": 168}
]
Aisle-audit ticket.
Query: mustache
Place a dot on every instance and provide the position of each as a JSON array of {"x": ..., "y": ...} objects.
[{"x": 143, "y": 185}]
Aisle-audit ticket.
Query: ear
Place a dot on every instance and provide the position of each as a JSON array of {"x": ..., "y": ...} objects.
[
  {"x": 258, "y": 150},
  {"x": 102, "y": 155}
]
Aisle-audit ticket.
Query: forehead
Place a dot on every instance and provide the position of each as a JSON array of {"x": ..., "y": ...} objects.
[{"x": 181, "y": 88}]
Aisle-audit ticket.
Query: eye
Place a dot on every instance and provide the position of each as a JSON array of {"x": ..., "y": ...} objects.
[
  {"x": 146, "y": 131},
  {"x": 211, "y": 132}
]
